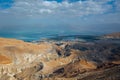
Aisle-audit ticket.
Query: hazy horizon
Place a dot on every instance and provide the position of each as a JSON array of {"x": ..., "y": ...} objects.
[{"x": 20, "y": 17}]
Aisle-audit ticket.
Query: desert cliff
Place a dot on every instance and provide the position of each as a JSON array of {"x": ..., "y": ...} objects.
[{"x": 68, "y": 60}]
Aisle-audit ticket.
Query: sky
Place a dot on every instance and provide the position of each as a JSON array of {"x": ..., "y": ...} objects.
[{"x": 60, "y": 15}]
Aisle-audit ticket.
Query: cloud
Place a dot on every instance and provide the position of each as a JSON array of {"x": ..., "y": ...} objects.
[
  {"x": 66, "y": 13},
  {"x": 41, "y": 7},
  {"x": 117, "y": 3}
]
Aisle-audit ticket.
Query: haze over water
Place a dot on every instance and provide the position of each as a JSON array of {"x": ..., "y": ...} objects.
[{"x": 38, "y": 19}]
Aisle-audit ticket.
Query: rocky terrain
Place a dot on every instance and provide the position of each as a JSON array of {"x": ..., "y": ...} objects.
[
  {"x": 65, "y": 60},
  {"x": 113, "y": 35}
]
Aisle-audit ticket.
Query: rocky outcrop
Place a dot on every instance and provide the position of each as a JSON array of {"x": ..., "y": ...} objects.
[
  {"x": 17, "y": 55},
  {"x": 112, "y": 35},
  {"x": 21, "y": 60}
]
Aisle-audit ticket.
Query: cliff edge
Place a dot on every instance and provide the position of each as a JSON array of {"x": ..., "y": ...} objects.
[{"x": 63, "y": 60}]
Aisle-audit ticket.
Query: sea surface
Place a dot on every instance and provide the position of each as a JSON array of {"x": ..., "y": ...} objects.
[
  {"x": 36, "y": 36},
  {"x": 58, "y": 35}
]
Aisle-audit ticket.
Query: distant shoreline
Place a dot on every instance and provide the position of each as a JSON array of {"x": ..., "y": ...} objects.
[{"x": 77, "y": 37}]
